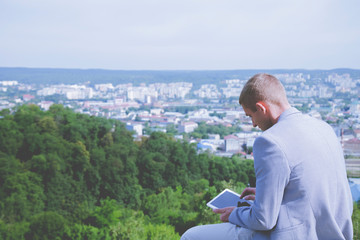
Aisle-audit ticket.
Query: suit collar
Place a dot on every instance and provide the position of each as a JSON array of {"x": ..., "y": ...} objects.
[{"x": 288, "y": 112}]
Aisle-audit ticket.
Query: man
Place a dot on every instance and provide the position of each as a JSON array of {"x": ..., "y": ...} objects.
[{"x": 302, "y": 190}]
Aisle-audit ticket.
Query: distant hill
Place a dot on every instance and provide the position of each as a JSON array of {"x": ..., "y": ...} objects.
[{"x": 96, "y": 76}]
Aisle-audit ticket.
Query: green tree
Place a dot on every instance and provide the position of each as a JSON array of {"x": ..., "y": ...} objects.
[
  {"x": 46, "y": 226},
  {"x": 22, "y": 196},
  {"x": 171, "y": 208},
  {"x": 135, "y": 226},
  {"x": 356, "y": 220},
  {"x": 10, "y": 136},
  {"x": 13, "y": 231},
  {"x": 104, "y": 215},
  {"x": 118, "y": 173}
]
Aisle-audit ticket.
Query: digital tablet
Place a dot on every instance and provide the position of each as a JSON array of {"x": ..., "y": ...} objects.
[{"x": 227, "y": 198}]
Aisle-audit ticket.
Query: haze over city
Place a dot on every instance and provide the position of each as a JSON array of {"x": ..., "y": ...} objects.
[{"x": 168, "y": 35}]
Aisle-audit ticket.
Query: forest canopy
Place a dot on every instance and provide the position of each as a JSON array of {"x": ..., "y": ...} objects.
[{"x": 66, "y": 175}]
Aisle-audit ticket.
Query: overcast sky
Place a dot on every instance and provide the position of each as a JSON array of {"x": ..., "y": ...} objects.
[{"x": 180, "y": 35}]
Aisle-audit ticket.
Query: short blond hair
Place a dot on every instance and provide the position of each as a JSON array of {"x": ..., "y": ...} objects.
[{"x": 262, "y": 87}]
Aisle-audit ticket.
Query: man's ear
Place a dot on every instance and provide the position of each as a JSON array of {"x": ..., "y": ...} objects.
[{"x": 261, "y": 106}]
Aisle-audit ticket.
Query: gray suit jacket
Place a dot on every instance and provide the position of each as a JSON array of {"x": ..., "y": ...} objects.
[{"x": 302, "y": 190}]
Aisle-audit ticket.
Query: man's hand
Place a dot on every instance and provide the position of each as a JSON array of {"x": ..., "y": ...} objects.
[
  {"x": 248, "y": 193},
  {"x": 225, "y": 213}
]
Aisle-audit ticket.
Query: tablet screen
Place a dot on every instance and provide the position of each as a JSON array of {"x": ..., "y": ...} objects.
[{"x": 226, "y": 198}]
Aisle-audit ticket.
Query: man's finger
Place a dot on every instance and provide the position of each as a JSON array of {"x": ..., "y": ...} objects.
[
  {"x": 249, "y": 197},
  {"x": 219, "y": 210}
]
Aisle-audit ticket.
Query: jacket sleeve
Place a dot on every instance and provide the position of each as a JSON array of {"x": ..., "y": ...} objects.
[{"x": 272, "y": 175}]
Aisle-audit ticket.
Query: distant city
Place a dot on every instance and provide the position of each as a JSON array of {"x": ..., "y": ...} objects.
[{"x": 182, "y": 105}]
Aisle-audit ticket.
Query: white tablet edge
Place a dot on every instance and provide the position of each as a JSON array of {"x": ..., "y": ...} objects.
[{"x": 225, "y": 190}]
